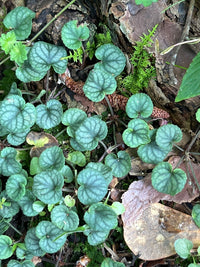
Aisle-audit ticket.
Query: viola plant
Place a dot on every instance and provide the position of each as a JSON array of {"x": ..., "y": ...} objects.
[{"x": 43, "y": 187}]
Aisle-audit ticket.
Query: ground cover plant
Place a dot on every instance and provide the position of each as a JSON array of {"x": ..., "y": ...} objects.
[{"x": 64, "y": 195}]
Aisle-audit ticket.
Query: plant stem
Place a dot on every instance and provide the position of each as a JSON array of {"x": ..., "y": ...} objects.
[
  {"x": 52, "y": 20},
  {"x": 102, "y": 143},
  {"x": 64, "y": 130},
  {"x": 185, "y": 32},
  {"x": 193, "y": 140},
  {"x": 59, "y": 257},
  {"x": 109, "y": 105},
  {"x": 4, "y": 60},
  {"x": 14, "y": 228},
  {"x": 181, "y": 149}
]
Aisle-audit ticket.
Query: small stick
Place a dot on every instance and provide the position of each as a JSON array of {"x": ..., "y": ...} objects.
[{"x": 183, "y": 37}]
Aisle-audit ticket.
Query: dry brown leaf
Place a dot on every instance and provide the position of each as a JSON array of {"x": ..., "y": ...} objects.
[
  {"x": 138, "y": 167},
  {"x": 153, "y": 233},
  {"x": 138, "y": 200},
  {"x": 35, "y": 260},
  {"x": 141, "y": 193},
  {"x": 41, "y": 141}
]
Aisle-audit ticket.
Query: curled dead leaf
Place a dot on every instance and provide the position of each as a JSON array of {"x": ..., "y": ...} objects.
[{"x": 40, "y": 142}]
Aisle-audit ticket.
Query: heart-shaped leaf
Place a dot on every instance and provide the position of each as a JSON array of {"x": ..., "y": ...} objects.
[
  {"x": 52, "y": 159},
  {"x": 108, "y": 262},
  {"x": 20, "y": 20},
  {"x": 38, "y": 206},
  {"x": 137, "y": 133},
  {"x": 32, "y": 243},
  {"x": 196, "y": 214},
  {"x": 26, "y": 73},
  {"x": 16, "y": 115},
  {"x": 120, "y": 163},
  {"x": 167, "y": 135},
  {"x": 77, "y": 158},
  {"x": 15, "y": 186},
  {"x": 67, "y": 173},
  {"x": 26, "y": 204},
  {"x": 96, "y": 237},
  {"x": 40, "y": 141},
  {"x": 23, "y": 253},
  {"x": 89, "y": 133},
  {"x": 10, "y": 208},
  {"x": 5, "y": 247},
  {"x": 183, "y": 247},
  {"x": 166, "y": 180},
  {"x": 26, "y": 263},
  {"x": 17, "y": 139},
  {"x": 190, "y": 85},
  {"x": 151, "y": 152},
  {"x": 118, "y": 207},
  {"x": 98, "y": 84},
  {"x": 72, "y": 118},
  {"x": 48, "y": 234},
  {"x": 112, "y": 59},
  {"x": 93, "y": 186},
  {"x": 8, "y": 163},
  {"x": 72, "y": 36},
  {"x": 100, "y": 217},
  {"x": 103, "y": 169},
  {"x": 64, "y": 218},
  {"x": 139, "y": 104},
  {"x": 43, "y": 55},
  {"x": 49, "y": 115},
  {"x": 47, "y": 186}
]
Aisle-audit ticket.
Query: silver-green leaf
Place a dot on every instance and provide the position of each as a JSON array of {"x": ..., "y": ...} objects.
[
  {"x": 166, "y": 180},
  {"x": 72, "y": 36},
  {"x": 47, "y": 186},
  {"x": 43, "y": 55}
]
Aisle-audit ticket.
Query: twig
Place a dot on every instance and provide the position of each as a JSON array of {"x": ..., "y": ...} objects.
[
  {"x": 59, "y": 258},
  {"x": 113, "y": 254},
  {"x": 193, "y": 141},
  {"x": 185, "y": 32}
]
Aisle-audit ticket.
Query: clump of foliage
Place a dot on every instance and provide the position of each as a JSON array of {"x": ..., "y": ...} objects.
[
  {"x": 99, "y": 39},
  {"x": 43, "y": 186},
  {"x": 143, "y": 65}
]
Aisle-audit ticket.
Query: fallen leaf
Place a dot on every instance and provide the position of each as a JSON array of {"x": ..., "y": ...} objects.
[
  {"x": 140, "y": 197},
  {"x": 141, "y": 193},
  {"x": 138, "y": 167},
  {"x": 153, "y": 233},
  {"x": 40, "y": 142},
  {"x": 35, "y": 260}
]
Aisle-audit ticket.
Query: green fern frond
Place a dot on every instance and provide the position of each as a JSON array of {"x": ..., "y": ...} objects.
[{"x": 143, "y": 65}]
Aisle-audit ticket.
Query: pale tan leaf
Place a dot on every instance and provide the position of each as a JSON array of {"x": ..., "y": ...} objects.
[{"x": 153, "y": 233}]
